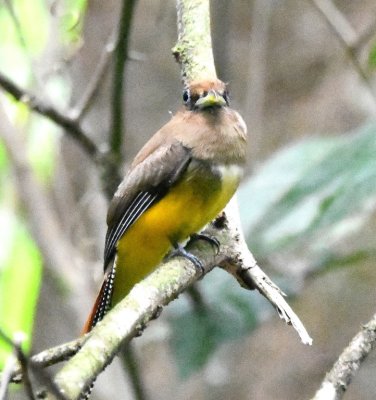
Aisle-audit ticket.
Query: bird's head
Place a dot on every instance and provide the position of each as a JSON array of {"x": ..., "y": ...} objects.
[{"x": 207, "y": 94}]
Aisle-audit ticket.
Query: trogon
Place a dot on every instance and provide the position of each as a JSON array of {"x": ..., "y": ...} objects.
[{"x": 178, "y": 182}]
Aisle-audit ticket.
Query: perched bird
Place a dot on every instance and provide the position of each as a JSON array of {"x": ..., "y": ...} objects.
[{"x": 179, "y": 181}]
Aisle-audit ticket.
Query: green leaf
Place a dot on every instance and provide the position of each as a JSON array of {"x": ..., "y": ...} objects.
[
  {"x": 309, "y": 190},
  {"x": 262, "y": 191},
  {"x": 197, "y": 333},
  {"x": 20, "y": 277}
]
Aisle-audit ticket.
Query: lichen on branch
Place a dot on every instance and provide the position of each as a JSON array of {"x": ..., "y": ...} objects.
[{"x": 193, "y": 50}]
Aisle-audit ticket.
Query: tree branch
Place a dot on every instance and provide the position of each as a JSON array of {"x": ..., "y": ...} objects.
[
  {"x": 125, "y": 321},
  {"x": 145, "y": 301},
  {"x": 130, "y": 364},
  {"x": 46, "y": 358},
  {"x": 243, "y": 266},
  {"x": 81, "y": 107},
  {"x": 339, "y": 378},
  {"x": 7, "y": 373},
  {"x": 121, "y": 53},
  {"x": 36, "y": 104},
  {"x": 193, "y": 50},
  {"x": 6, "y": 376},
  {"x": 147, "y": 298},
  {"x": 19, "y": 355}
]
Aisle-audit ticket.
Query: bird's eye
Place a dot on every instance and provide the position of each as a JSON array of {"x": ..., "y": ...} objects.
[{"x": 186, "y": 96}]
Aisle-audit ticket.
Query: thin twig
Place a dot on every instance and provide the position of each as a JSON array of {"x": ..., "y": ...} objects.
[
  {"x": 25, "y": 369},
  {"x": 117, "y": 102},
  {"x": 338, "y": 379},
  {"x": 21, "y": 38},
  {"x": 130, "y": 361},
  {"x": 5, "y": 338},
  {"x": 19, "y": 371},
  {"x": 79, "y": 110},
  {"x": 17, "y": 27},
  {"x": 197, "y": 300},
  {"x": 42, "y": 375},
  {"x": 243, "y": 266},
  {"x": 83, "y": 104},
  {"x": 52, "y": 356},
  {"x": 71, "y": 126},
  {"x": 347, "y": 37},
  {"x": 337, "y": 22},
  {"x": 19, "y": 355},
  {"x": 59, "y": 353},
  {"x": 6, "y": 375}
]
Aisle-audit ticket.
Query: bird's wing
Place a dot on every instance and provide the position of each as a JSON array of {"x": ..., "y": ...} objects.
[{"x": 145, "y": 184}]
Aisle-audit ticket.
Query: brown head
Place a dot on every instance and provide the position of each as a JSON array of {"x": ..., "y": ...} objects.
[{"x": 205, "y": 94}]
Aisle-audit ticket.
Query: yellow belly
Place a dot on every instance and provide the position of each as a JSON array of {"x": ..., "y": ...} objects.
[{"x": 186, "y": 209}]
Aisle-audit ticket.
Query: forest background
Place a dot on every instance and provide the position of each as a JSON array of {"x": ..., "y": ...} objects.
[{"x": 302, "y": 76}]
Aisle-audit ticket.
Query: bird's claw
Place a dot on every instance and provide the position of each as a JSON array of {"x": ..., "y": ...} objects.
[{"x": 180, "y": 251}]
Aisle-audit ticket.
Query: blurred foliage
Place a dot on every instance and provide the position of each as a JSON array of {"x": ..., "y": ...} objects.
[
  {"x": 311, "y": 194},
  {"x": 72, "y": 21},
  {"x": 20, "y": 276},
  {"x": 21, "y": 42},
  {"x": 20, "y": 267},
  {"x": 198, "y": 329},
  {"x": 305, "y": 197},
  {"x": 372, "y": 57},
  {"x": 42, "y": 147},
  {"x": 3, "y": 162}
]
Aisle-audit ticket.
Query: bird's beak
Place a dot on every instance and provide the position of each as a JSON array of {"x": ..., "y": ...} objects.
[{"x": 212, "y": 99}]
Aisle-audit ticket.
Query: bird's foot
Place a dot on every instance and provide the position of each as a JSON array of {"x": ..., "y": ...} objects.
[
  {"x": 180, "y": 251},
  {"x": 213, "y": 241}
]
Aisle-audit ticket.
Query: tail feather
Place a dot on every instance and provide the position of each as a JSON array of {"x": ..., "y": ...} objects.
[
  {"x": 103, "y": 301},
  {"x": 101, "y": 306}
]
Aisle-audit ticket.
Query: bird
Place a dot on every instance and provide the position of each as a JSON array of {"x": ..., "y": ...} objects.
[{"x": 180, "y": 180}]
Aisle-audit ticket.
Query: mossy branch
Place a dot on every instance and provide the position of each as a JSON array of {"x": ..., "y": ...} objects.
[{"x": 193, "y": 50}]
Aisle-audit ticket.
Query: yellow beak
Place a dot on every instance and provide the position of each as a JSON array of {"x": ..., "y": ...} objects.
[{"x": 212, "y": 99}]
